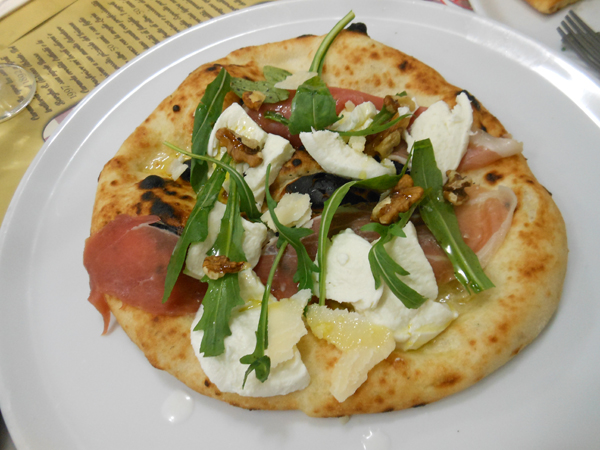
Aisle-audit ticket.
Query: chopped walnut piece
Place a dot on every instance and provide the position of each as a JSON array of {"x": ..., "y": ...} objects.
[
  {"x": 238, "y": 148},
  {"x": 216, "y": 267},
  {"x": 393, "y": 102},
  {"x": 454, "y": 189},
  {"x": 383, "y": 144},
  {"x": 403, "y": 196},
  {"x": 254, "y": 99}
]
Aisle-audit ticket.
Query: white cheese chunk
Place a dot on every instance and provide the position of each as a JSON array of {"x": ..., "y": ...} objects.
[
  {"x": 348, "y": 273},
  {"x": 293, "y": 210},
  {"x": 293, "y": 81},
  {"x": 335, "y": 156},
  {"x": 255, "y": 235},
  {"x": 411, "y": 327},
  {"x": 362, "y": 344},
  {"x": 287, "y": 375},
  {"x": 197, "y": 251},
  {"x": 286, "y": 326},
  {"x": 276, "y": 152},
  {"x": 356, "y": 117},
  {"x": 177, "y": 167},
  {"x": 448, "y": 130},
  {"x": 237, "y": 120}
]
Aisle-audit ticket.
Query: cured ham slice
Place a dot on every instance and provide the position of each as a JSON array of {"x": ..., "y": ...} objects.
[
  {"x": 128, "y": 259},
  {"x": 484, "y": 222},
  {"x": 284, "y": 108},
  {"x": 484, "y": 149}
]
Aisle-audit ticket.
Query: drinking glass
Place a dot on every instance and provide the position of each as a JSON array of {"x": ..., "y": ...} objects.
[{"x": 17, "y": 88}]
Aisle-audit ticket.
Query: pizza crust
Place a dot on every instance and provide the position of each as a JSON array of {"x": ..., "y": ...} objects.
[{"x": 493, "y": 327}]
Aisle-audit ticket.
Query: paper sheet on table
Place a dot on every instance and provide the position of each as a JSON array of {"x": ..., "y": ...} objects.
[{"x": 73, "y": 52}]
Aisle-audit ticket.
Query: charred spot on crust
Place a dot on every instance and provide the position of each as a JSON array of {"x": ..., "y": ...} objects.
[
  {"x": 358, "y": 27},
  {"x": 176, "y": 108},
  {"x": 296, "y": 162},
  {"x": 403, "y": 65},
  {"x": 493, "y": 177},
  {"x": 419, "y": 405},
  {"x": 471, "y": 98},
  {"x": 170, "y": 228},
  {"x": 152, "y": 182},
  {"x": 212, "y": 68},
  {"x": 162, "y": 209},
  {"x": 207, "y": 383},
  {"x": 148, "y": 196}
]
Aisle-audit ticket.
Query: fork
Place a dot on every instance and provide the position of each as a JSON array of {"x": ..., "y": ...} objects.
[{"x": 580, "y": 38}]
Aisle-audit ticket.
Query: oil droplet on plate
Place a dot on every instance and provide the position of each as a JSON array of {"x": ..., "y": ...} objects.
[
  {"x": 376, "y": 440},
  {"x": 177, "y": 407}
]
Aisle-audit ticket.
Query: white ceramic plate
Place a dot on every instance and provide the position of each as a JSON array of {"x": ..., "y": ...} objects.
[
  {"x": 518, "y": 15},
  {"x": 63, "y": 386}
]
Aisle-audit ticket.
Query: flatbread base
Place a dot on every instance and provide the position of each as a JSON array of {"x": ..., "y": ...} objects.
[{"x": 493, "y": 327}]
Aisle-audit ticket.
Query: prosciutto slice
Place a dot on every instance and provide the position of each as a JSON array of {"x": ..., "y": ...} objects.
[
  {"x": 128, "y": 259},
  {"x": 284, "y": 108},
  {"x": 484, "y": 149},
  {"x": 484, "y": 222}
]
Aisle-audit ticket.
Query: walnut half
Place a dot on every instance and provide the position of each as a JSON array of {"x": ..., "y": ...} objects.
[
  {"x": 403, "y": 196},
  {"x": 454, "y": 189},
  {"x": 216, "y": 267},
  {"x": 239, "y": 150}
]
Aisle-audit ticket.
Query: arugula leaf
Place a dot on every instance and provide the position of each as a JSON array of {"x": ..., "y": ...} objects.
[
  {"x": 223, "y": 294},
  {"x": 313, "y": 106},
  {"x": 278, "y": 118},
  {"x": 259, "y": 362},
  {"x": 306, "y": 266},
  {"x": 381, "y": 183},
  {"x": 247, "y": 200},
  {"x": 273, "y": 75},
  {"x": 383, "y": 265},
  {"x": 208, "y": 111},
  {"x": 440, "y": 218},
  {"x": 375, "y": 127},
  {"x": 221, "y": 297},
  {"x": 317, "y": 63},
  {"x": 196, "y": 227},
  {"x": 272, "y": 94}
]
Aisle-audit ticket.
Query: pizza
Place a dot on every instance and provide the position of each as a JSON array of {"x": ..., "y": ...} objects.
[
  {"x": 550, "y": 6},
  {"x": 324, "y": 224}
]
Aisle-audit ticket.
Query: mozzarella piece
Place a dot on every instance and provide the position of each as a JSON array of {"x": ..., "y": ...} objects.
[
  {"x": 448, "y": 130},
  {"x": 335, "y": 156},
  {"x": 276, "y": 152},
  {"x": 293, "y": 81},
  {"x": 197, "y": 251},
  {"x": 177, "y": 167},
  {"x": 356, "y": 117},
  {"x": 293, "y": 210},
  {"x": 255, "y": 235},
  {"x": 288, "y": 373},
  {"x": 237, "y": 120},
  {"x": 411, "y": 327},
  {"x": 348, "y": 274},
  {"x": 362, "y": 344}
]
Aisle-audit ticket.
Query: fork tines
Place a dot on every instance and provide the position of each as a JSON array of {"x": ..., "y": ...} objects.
[{"x": 580, "y": 38}]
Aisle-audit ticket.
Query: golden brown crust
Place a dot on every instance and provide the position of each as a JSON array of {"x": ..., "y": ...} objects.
[{"x": 493, "y": 327}]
